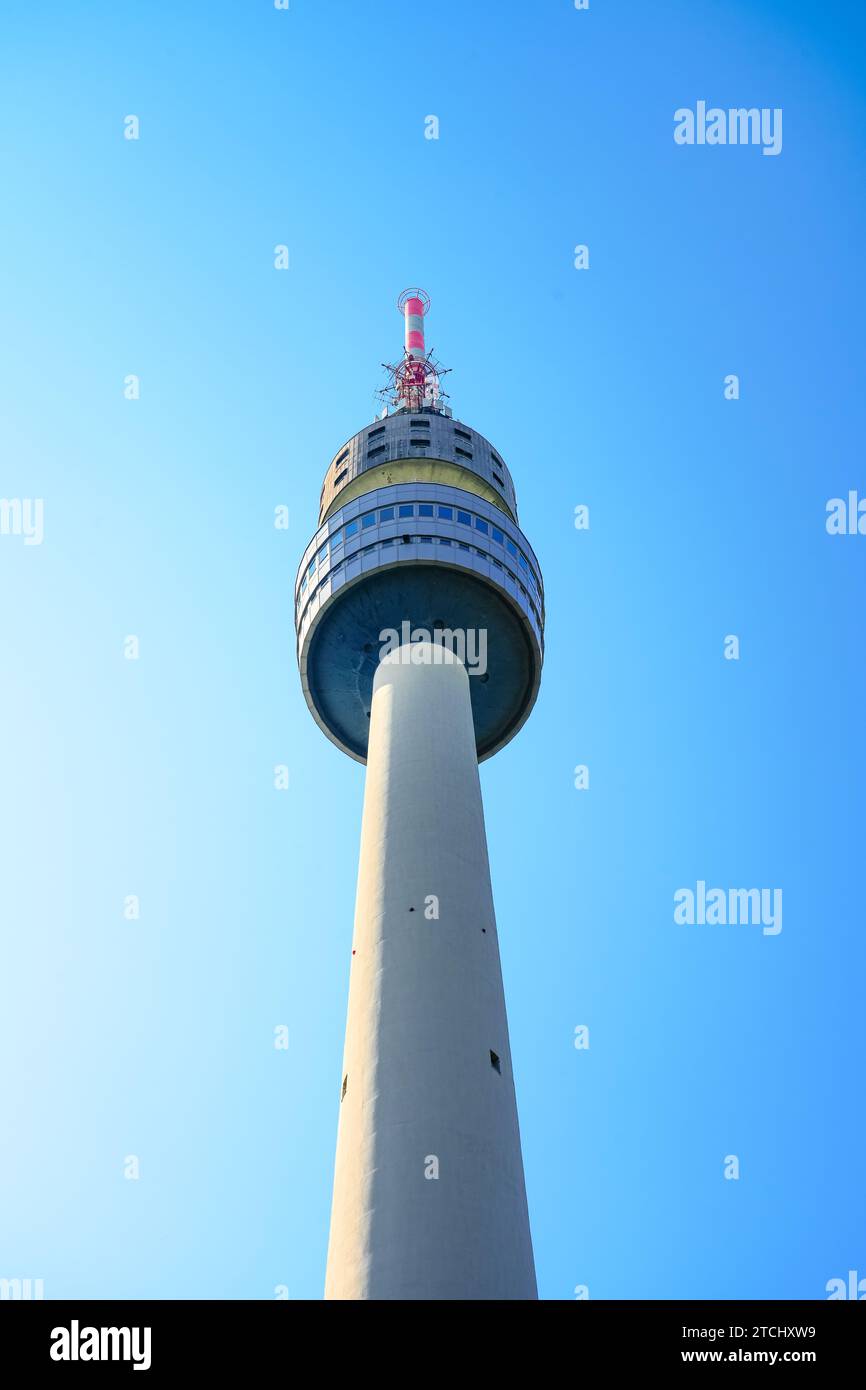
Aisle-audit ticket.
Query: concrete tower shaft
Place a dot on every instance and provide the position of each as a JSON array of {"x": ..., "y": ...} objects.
[{"x": 429, "y": 1199}]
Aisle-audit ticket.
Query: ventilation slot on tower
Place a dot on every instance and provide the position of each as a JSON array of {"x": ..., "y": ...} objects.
[
  {"x": 346, "y": 1082},
  {"x": 494, "y": 1062}
]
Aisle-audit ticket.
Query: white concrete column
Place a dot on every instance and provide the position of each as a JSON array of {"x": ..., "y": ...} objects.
[{"x": 429, "y": 1198}]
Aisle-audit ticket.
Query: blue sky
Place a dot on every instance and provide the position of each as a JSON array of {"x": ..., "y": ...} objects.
[{"x": 601, "y": 387}]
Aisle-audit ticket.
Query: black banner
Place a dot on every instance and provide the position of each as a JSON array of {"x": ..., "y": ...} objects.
[{"x": 221, "y": 1339}]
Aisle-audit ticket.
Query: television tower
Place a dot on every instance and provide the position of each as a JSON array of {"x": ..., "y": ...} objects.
[{"x": 419, "y": 610}]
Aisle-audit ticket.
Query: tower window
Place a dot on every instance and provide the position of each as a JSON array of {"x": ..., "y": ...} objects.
[
  {"x": 464, "y": 518},
  {"x": 464, "y": 453},
  {"x": 494, "y": 1062},
  {"x": 340, "y": 476},
  {"x": 373, "y": 433},
  {"x": 406, "y": 509},
  {"x": 372, "y": 453},
  {"x": 462, "y": 433},
  {"x": 497, "y": 479},
  {"x": 346, "y": 1082},
  {"x": 446, "y": 513},
  {"x": 425, "y": 509}
]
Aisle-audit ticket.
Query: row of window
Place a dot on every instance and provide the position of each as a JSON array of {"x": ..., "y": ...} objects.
[
  {"x": 417, "y": 442},
  {"x": 337, "y": 565},
  {"x": 420, "y": 509}
]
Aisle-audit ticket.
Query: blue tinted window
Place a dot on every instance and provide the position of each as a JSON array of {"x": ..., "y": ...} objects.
[
  {"x": 312, "y": 570},
  {"x": 389, "y": 541},
  {"x": 351, "y": 529},
  {"x": 446, "y": 513},
  {"x": 424, "y": 509},
  {"x": 496, "y": 534},
  {"x": 511, "y": 547},
  {"x": 406, "y": 509},
  {"x": 369, "y": 519},
  {"x": 522, "y": 561},
  {"x": 323, "y": 553},
  {"x": 464, "y": 518},
  {"x": 303, "y": 583},
  {"x": 443, "y": 540},
  {"x": 386, "y": 514},
  {"x": 481, "y": 525}
]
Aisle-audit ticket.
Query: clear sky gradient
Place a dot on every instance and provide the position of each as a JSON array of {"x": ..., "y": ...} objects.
[{"x": 603, "y": 387}]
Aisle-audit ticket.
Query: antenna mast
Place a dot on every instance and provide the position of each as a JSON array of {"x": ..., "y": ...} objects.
[{"x": 414, "y": 383}]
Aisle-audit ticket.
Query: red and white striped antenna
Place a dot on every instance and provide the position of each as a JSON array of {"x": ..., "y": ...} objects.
[
  {"x": 414, "y": 382},
  {"x": 413, "y": 305}
]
